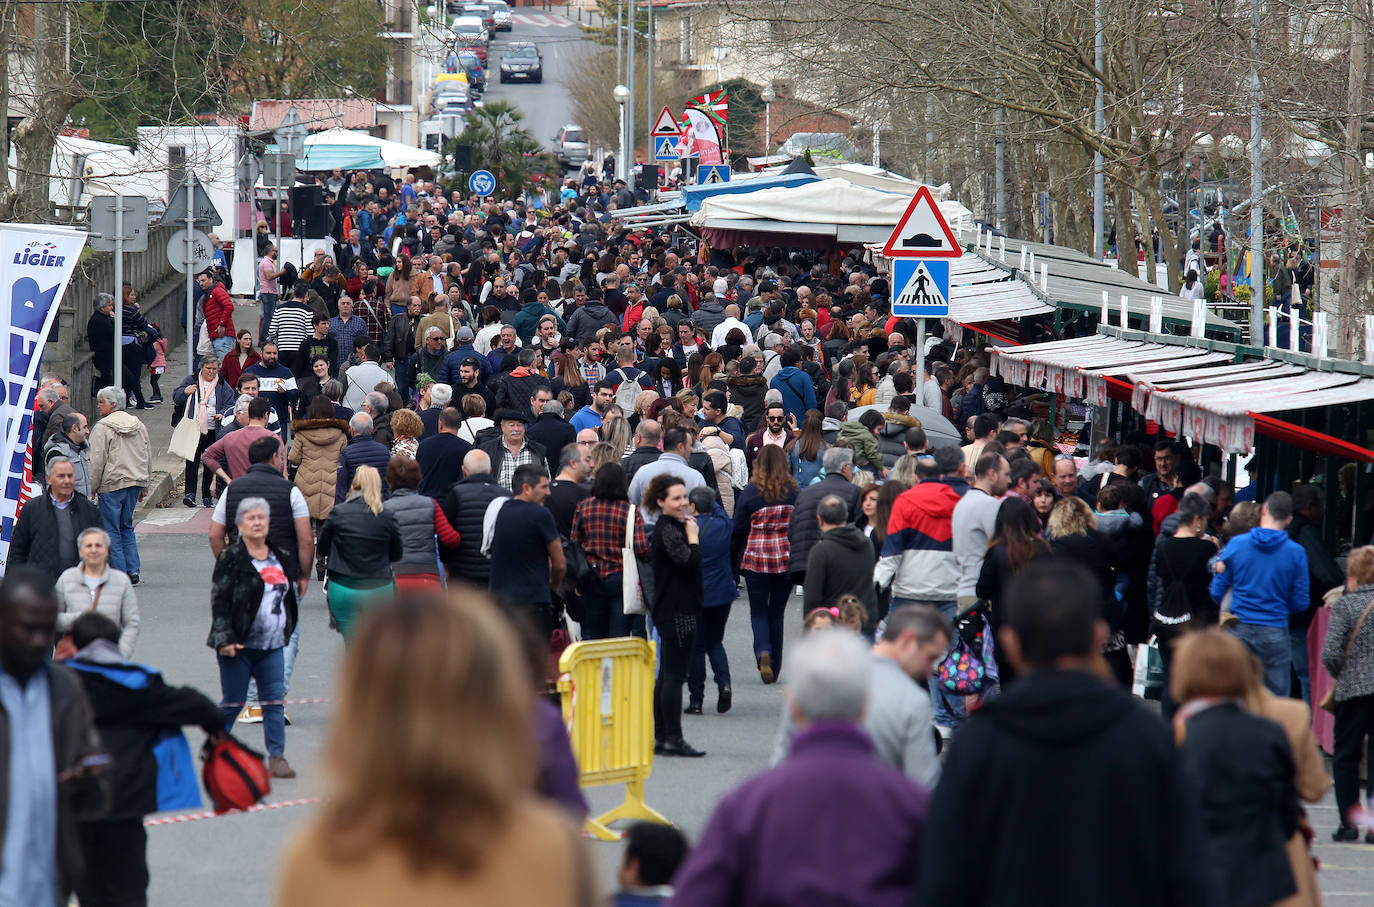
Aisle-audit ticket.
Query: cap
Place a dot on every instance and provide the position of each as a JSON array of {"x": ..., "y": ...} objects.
[
  {"x": 465, "y": 333},
  {"x": 423, "y": 380},
  {"x": 511, "y": 415}
]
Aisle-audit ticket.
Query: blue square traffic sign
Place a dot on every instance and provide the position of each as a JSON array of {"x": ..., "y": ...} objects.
[{"x": 920, "y": 287}]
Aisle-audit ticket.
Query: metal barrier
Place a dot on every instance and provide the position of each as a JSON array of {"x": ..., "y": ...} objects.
[{"x": 607, "y": 687}]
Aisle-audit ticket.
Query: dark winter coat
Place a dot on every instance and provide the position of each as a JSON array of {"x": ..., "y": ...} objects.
[
  {"x": 551, "y": 433},
  {"x": 236, "y": 594},
  {"x": 677, "y": 572},
  {"x": 840, "y": 563},
  {"x": 35, "y": 533},
  {"x": 747, "y": 391},
  {"x": 359, "y": 543},
  {"x": 360, "y": 450},
  {"x": 1058, "y": 757},
  {"x": 803, "y": 530},
  {"x": 465, "y": 506}
]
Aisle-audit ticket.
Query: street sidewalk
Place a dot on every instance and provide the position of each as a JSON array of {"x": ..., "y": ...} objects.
[{"x": 169, "y": 471}]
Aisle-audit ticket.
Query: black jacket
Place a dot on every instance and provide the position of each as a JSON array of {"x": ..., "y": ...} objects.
[
  {"x": 1095, "y": 552},
  {"x": 803, "y": 530},
  {"x": 360, "y": 451},
  {"x": 465, "y": 506},
  {"x": 841, "y": 563},
  {"x": 131, "y": 717},
  {"x": 496, "y": 450},
  {"x": 551, "y": 433},
  {"x": 748, "y": 391},
  {"x": 1250, "y": 809},
  {"x": 589, "y": 319},
  {"x": 1036, "y": 776},
  {"x": 359, "y": 543},
  {"x": 236, "y": 594},
  {"x": 35, "y": 533},
  {"x": 677, "y": 572},
  {"x": 101, "y": 337},
  {"x": 638, "y": 458},
  {"x": 514, "y": 391},
  {"x": 1323, "y": 571}
]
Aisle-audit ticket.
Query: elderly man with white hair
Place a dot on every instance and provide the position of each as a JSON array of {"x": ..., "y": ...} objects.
[{"x": 759, "y": 845}]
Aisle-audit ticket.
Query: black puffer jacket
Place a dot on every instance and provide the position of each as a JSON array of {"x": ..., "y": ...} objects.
[
  {"x": 359, "y": 543},
  {"x": 465, "y": 507},
  {"x": 748, "y": 391},
  {"x": 803, "y": 530}
]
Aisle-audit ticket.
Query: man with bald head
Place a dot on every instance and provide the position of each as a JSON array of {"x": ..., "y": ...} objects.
[
  {"x": 466, "y": 508},
  {"x": 731, "y": 322}
]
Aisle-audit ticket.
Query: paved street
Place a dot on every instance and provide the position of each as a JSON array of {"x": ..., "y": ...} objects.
[
  {"x": 231, "y": 862},
  {"x": 548, "y": 105}
]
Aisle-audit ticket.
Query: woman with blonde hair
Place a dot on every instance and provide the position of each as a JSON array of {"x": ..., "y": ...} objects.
[
  {"x": 361, "y": 540},
  {"x": 1244, "y": 764},
  {"x": 1072, "y": 533},
  {"x": 436, "y": 803},
  {"x": 616, "y": 432}
]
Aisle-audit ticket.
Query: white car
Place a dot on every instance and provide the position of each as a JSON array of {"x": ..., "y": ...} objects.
[{"x": 501, "y": 10}]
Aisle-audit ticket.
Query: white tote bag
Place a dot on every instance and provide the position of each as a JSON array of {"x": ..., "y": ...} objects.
[
  {"x": 631, "y": 593},
  {"x": 186, "y": 435}
]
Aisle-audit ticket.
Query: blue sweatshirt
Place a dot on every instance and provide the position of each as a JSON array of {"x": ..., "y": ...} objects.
[{"x": 1266, "y": 572}]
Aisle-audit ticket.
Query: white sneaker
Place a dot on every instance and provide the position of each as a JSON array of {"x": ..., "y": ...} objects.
[{"x": 251, "y": 715}]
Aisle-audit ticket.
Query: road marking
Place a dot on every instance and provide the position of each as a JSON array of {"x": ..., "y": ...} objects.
[{"x": 540, "y": 21}]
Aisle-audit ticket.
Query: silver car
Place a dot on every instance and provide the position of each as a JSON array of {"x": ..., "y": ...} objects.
[
  {"x": 501, "y": 10},
  {"x": 570, "y": 144}
]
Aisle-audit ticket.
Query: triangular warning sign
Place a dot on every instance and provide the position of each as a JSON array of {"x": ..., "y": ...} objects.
[
  {"x": 666, "y": 124},
  {"x": 712, "y": 176},
  {"x": 922, "y": 231}
]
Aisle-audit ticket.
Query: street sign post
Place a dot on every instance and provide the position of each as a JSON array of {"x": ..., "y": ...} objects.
[
  {"x": 713, "y": 174},
  {"x": 119, "y": 224},
  {"x": 665, "y": 149},
  {"x": 190, "y": 207},
  {"x": 482, "y": 183},
  {"x": 921, "y": 246},
  {"x": 202, "y": 251},
  {"x": 665, "y": 125}
]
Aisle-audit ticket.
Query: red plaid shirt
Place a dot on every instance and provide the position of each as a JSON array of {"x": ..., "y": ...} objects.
[
  {"x": 768, "y": 548},
  {"x": 599, "y": 527}
]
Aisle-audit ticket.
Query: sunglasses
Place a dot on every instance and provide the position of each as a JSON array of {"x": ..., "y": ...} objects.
[{"x": 776, "y": 419}]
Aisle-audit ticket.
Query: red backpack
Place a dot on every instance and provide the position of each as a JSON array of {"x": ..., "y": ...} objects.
[{"x": 235, "y": 776}]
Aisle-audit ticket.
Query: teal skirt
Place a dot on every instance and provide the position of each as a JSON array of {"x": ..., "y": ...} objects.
[{"x": 349, "y": 596}]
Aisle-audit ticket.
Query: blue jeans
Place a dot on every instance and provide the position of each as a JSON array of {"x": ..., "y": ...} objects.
[
  {"x": 1274, "y": 647},
  {"x": 222, "y": 346},
  {"x": 768, "y": 594},
  {"x": 117, "y": 513},
  {"x": 1297, "y": 640},
  {"x": 950, "y": 710},
  {"x": 266, "y": 667},
  {"x": 710, "y": 643},
  {"x": 268, "y": 302},
  {"x": 603, "y": 615}
]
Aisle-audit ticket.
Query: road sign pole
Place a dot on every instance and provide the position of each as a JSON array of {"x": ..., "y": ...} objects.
[
  {"x": 119, "y": 292},
  {"x": 920, "y": 360},
  {"x": 190, "y": 275}
]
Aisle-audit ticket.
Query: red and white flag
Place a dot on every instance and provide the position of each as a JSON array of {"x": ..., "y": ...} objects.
[{"x": 704, "y": 139}]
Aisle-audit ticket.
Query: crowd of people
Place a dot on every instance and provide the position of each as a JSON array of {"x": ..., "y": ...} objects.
[{"x": 638, "y": 437}]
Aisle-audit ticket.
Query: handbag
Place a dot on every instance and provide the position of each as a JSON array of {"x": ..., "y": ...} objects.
[
  {"x": 1329, "y": 700},
  {"x": 968, "y": 668},
  {"x": 631, "y": 592},
  {"x": 1147, "y": 681},
  {"x": 65, "y": 649},
  {"x": 186, "y": 436}
]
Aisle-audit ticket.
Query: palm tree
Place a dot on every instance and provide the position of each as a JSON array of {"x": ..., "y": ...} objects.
[{"x": 505, "y": 147}]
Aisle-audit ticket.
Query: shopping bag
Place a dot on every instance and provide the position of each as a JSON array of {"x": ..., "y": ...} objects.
[
  {"x": 631, "y": 591},
  {"x": 186, "y": 435},
  {"x": 1148, "y": 682}
]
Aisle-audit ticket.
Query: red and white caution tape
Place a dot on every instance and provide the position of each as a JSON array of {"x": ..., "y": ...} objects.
[
  {"x": 210, "y": 814},
  {"x": 309, "y": 700}
]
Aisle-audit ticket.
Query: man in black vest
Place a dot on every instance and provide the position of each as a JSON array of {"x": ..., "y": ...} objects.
[
  {"x": 466, "y": 507},
  {"x": 288, "y": 528}
]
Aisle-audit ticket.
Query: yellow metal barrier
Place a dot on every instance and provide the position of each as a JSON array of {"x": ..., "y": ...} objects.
[{"x": 607, "y": 688}]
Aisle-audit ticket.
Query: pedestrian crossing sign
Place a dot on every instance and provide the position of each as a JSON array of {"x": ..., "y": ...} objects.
[
  {"x": 665, "y": 149},
  {"x": 713, "y": 174},
  {"x": 920, "y": 287}
]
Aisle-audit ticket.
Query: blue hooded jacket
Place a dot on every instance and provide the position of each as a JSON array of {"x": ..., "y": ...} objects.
[
  {"x": 717, "y": 579},
  {"x": 1266, "y": 572}
]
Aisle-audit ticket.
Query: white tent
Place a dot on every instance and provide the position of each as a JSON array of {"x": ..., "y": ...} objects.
[
  {"x": 394, "y": 154},
  {"x": 833, "y": 207}
]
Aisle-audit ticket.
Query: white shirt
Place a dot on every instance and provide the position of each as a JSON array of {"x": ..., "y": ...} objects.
[
  {"x": 931, "y": 396},
  {"x": 725, "y": 327},
  {"x": 298, "y": 507}
]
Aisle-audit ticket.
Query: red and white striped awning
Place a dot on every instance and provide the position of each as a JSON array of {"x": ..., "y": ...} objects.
[{"x": 1188, "y": 391}]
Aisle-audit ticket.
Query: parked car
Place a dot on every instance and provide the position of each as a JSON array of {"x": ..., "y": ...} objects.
[
  {"x": 570, "y": 145},
  {"x": 483, "y": 12},
  {"x": 501, "y": 10},
  {"x": 470, "y": 63},
  {"x": 522, "y": 61},
  {"x": 470, "y": 27}
]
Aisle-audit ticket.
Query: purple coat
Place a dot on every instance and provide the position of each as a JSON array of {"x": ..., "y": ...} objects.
[
  {"x": 830, "y": 826},
  {"x": 558, "y": 776}
]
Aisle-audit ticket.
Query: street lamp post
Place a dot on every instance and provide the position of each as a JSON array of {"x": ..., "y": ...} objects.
[
  {"x": 769, "y": 96},
  {"x": 621, "y": 95}
]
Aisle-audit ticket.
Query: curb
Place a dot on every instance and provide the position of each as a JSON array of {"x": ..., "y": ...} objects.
[{"x": 158, "y": 493}]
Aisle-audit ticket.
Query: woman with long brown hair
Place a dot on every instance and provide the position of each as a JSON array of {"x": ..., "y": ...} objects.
[
  {"x": 804, "y": 456},
  {"x": 570, "y": 379},
  {"x": 398, "y": 285},
  {"x": 436, "y": 803},
  {"x": 760, "y": 548},
  {"x": 1016, "y": 541}
]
